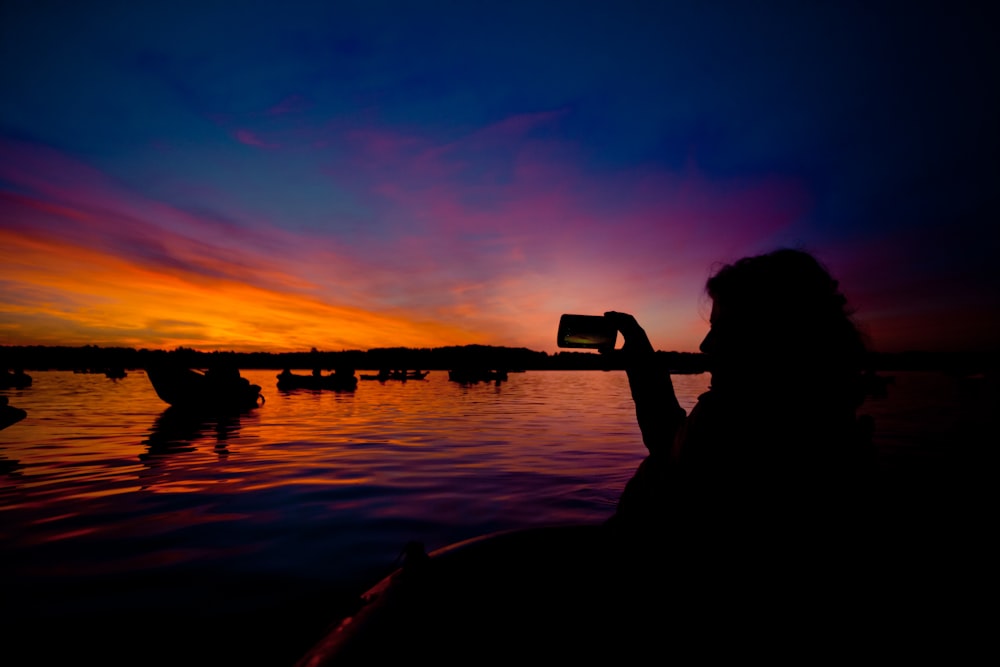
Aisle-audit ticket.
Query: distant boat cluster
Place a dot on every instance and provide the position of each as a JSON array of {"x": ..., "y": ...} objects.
[
  {"x": 399, "y": 374},
  {"x": 223, "y": 389}
]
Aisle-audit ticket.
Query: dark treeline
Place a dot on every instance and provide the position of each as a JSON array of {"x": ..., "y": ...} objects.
[{"x": 95, "y": 358}]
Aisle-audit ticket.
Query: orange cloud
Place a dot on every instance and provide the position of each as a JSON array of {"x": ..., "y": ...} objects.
[{"x": 82, "y": 295}]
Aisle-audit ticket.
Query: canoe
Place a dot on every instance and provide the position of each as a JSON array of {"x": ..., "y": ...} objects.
[
  {"x": 579, "y": 595},
  {"x": 205, "y": 392},
  {"x": 554, "y": 591},
  {"x": 333, "y": 381}
]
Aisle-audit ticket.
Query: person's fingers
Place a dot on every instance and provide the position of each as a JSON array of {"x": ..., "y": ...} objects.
[
  {"x": 624, "y": 322},
  {"x": 633, "y": 335}
]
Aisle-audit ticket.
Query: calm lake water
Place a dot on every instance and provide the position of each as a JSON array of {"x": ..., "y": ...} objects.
[{"x": 130, "y": 536}]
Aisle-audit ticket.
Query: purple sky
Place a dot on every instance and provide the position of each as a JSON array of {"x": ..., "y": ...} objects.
[{"x": 355, "y": 175}]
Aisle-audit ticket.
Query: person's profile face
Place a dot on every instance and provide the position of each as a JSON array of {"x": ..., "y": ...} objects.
[
  {"x": 726, "y": 343},
  {"x": 710, "y": 342}
]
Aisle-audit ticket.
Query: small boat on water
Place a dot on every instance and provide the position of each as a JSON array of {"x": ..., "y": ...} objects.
[
  {"x": 336, "y": 381},
  {"x": 382, "y": 376},
  {"x": 474, "y": 375},
  {"x": 15, "y": 380},
  {"x": 216, "y": 390},
  {"x": 9, "y": 414}
]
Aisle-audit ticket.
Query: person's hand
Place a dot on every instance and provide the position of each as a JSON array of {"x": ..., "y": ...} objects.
[{"x": 634, "y": 336}]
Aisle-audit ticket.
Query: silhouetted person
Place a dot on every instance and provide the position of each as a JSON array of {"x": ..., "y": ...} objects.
[
  {"x": 225, "y": 375},
  {"x": 769, "y": 473}
]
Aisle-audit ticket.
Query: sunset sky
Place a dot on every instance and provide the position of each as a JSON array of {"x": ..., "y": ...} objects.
[{"x": 350, "y": 175}]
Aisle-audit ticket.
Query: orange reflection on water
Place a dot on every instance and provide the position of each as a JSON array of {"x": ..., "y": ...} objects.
[
  {"x": 388, "y": 448},
  {"x": 103, "y": 493}
]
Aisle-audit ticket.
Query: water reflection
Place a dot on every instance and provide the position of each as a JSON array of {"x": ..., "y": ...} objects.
[
  {"x": 177, "y": 430},
  {"x": 173, "y": 461},
  {"x": 10, "y": 466}
]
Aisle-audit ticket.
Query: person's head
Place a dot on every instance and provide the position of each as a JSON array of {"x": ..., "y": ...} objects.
[{"x": 778, "y": 313}]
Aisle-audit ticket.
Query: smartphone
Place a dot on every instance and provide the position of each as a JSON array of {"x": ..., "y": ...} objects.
[{"x": 588, "y": 331}]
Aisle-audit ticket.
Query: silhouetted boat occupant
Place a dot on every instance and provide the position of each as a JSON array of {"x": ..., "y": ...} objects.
[
  {"x": 220, "y": 389},
  {"x": 746, "y": 525},
  {"x": 10, "y": 415},
  {"x": 17, "y": 379},
  {"x": 342, "y": 379}
]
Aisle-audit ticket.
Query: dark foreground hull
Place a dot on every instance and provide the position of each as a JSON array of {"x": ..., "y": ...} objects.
[
  {"x": 484, "y": 597},
  {"x": 560, "y": 594},
  {"x": 572, "y": 595}
]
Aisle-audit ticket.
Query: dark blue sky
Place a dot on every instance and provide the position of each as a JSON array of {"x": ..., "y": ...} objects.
[{"x": 361, "y": 174}]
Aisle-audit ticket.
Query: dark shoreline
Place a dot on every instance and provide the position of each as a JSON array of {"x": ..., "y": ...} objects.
[{"x": 92, "y": 358}]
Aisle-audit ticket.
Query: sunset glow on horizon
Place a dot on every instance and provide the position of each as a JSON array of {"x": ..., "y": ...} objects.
[{"x": 350, "y": 178}]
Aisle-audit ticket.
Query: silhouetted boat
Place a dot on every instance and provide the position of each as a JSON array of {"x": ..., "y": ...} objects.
[
  {"x": 396, "y": 375},
  {"x": 115, "y": 373},
  {"x": 9, "y": 414},
  {"x": 334, "y": 381},
  {"x": 577, "y": 595},
  {"x": 555, "y": 593},
  {"x": 474, "y": 375},
  {"x": 16, "y": 380},
  {"x": 214, "y": 391}
]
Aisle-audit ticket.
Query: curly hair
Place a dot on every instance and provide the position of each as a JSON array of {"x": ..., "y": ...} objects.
[
  {"x": 795, "y": 292},
  {"x": 792, "y": 315}
]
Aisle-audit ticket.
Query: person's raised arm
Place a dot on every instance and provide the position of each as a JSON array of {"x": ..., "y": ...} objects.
[{"x": 656, "y": 407}]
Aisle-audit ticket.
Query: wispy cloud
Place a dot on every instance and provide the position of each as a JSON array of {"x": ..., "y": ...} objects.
[{"x": 250, "y": 138}]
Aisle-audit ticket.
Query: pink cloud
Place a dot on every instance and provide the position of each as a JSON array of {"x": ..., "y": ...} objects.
[
  {"x": 291, "y": 104},
  {"x": 250, "y": 138},
  {"x": 519, "y": 246}
]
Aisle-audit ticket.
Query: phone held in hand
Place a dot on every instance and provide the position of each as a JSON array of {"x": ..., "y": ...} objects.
[{"x": 586, "y": 331}]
